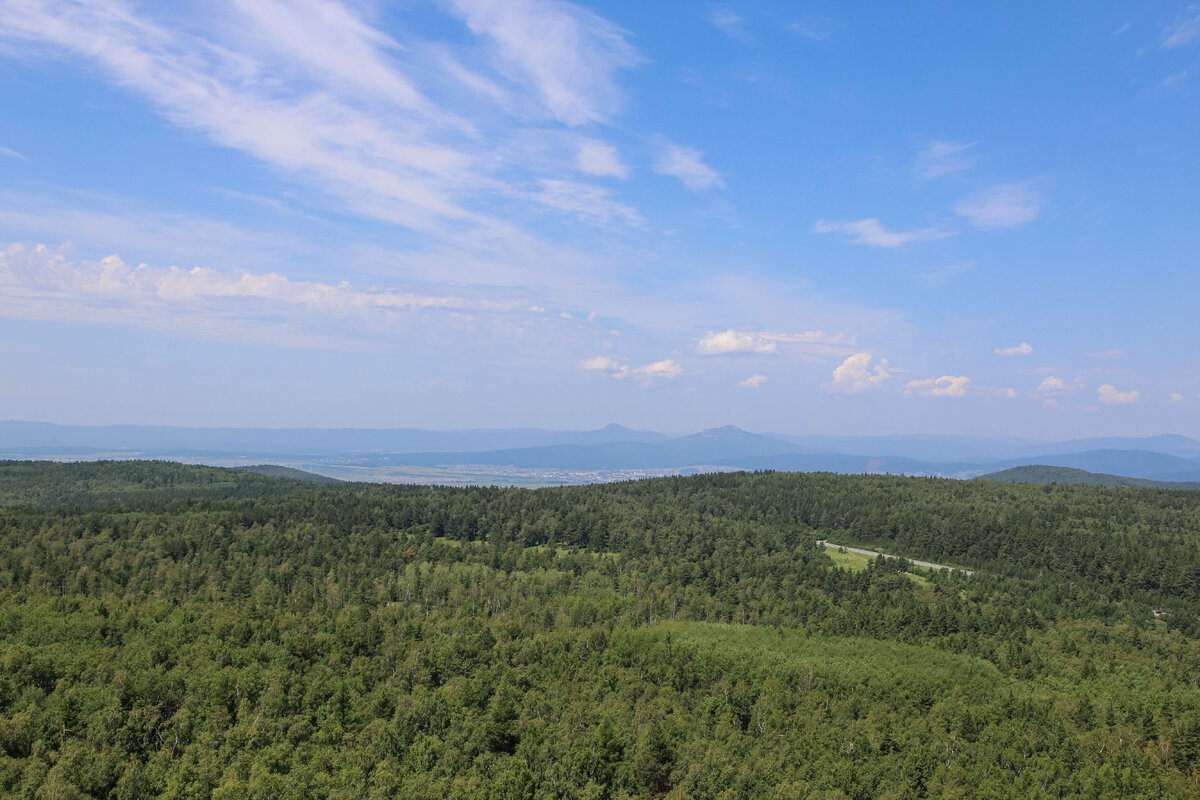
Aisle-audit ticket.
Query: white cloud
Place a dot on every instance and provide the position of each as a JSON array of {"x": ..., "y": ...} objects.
[
  {"x": 1053, "y": 387},
  {"x": 1108, "y": 395},
  {"x": 1007, "y": 392},
  {"x": 735, "y": 341},
  {"x": 945, "y": 386},
  {"x": 1175, "y": 397},
  {"x": 687, "y": 164},
  {"x": 599, "y": 363},
  {"x": 1022, "y": 349},
  {"x": 667, "y": 368},
  {"x": 4, "y": 151},
  {"x": 731, "y": 341},
  {"x": 1005, "y": 206},
  {"x": 855, "y": 374},
  {"x": 1186, "y": 28},
  {"x": 815, "y": 28},
  {"x": 754, "y": 381},
  {"x": 42, "y": 283},
  {"x": 1173, "y": 78},
  {"x": 600, "y": 159},
  {"x": 730, "y": 23},
  {"x": 313, "y": 90},
  {"x": 646, "y": 374},
  {"x": 940, "y": 158},
  {"x": 870, "y": 232},
  {"x": 568, "y": 55},
  {"x": 943, "y": 275},
  {"x": 1050, "y": 386},
  {"x": 593, "y": 204}
]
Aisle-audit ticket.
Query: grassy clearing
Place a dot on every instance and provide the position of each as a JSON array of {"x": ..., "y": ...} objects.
[{"x": 855, "y": 562}]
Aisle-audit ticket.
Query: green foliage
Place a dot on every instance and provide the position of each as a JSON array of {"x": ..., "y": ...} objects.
[
  {"x": 1042, "y": 474},
  {"x": 176, "y": 632}
]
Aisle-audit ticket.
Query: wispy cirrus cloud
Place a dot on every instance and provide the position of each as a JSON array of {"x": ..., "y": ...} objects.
[
  {"x": 687, "y": 164},
  {"x": 567, "y": 54},
  {"x": 871, "y": 232},
  {"x": 593, "y": 204},
  {"x": 1005, "y": 206},
  {"x": 940, "y": 158},
  {"x": 319, "y": 95},
  {"x": 811, "y": 27},
  {"x": 600, "y": 159},
  {"x": 730, "y": 23},
  {"x": 1184, "y": 29}
]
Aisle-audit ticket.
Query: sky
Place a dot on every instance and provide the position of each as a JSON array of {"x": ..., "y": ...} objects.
[{"x": 849, "y": 218}]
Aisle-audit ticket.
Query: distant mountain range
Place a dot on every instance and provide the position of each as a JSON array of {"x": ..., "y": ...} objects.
[
  {"x": 42, "y": 438},
  {"x": 1169, "y": 458}
]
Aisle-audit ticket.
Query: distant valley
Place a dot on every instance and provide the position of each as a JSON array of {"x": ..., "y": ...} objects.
[{"x": 536, "y": 457}]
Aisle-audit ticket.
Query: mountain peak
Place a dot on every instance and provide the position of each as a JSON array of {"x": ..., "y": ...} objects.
[{"x": 725, "y": 432}]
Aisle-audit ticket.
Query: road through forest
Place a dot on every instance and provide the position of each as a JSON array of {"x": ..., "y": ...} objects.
[{"x": 872, "y": 554}]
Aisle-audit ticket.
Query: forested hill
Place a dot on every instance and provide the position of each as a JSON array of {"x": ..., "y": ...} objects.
[
  {"x": 1043, "y": 474},
  {"x": 277, "y": 471},
  {"x": 98, "y": 483},
  {"x": 181, "y": 632}
]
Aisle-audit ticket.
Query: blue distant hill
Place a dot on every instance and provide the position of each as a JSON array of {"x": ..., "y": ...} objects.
[{"x": 614, "y": 447}]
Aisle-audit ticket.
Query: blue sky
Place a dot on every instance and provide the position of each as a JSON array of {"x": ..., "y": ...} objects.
[{"x": 808, "y": 218}]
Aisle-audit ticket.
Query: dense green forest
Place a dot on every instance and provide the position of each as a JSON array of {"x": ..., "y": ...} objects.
[
  {"x": 1038, "y": 473},
  {"x": 191, "y": 632}
]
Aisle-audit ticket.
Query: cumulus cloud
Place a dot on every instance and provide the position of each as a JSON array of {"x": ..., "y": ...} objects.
[
  {"x": 940, "y": 158},
  {"x": 1108, "y": 395},
  {"x": 734, "y": 341},
  {"x": 600, "y": 159},
  {"x": 945, "y": 386},
  {"x": 38, "y": 282},
  {"x": 731, "y": 341},
  {"x": 856, "y": 375},
  {"x": 754, "y": 381},
  {"x": 598, "y": 363},
  {"x": 872, "y": 233},
  {"x": 1005, "y": 206},
  {"x": 667, "y": 368},
  {"x": 645, "y": 374},
  {"x": 1053, "y": 387},
  {"x": 1050, "y": 386},
  {"x": 1022, "y": 349},
  {"x": 687, "y": 164}
]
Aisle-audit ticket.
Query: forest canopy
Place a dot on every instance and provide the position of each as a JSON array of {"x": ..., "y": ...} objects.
[{"x": 185, "y": 632}]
